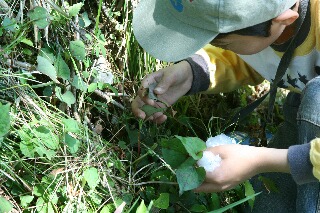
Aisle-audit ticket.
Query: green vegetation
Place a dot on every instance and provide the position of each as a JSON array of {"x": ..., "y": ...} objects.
[{"x": 69, "y": 142}]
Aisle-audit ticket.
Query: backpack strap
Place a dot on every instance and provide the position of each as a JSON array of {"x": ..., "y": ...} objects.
[
  {"x": 281, "y": 70},
  {"x": 286, "y": 59}
]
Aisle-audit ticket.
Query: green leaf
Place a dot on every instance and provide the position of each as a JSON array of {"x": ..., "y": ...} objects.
[
  {"x": 102, "y": 86},
  {"x": 248, "y": 189},
  {"x": 47, "y": 91},
  {"x": 27, "y": 148},
  {"x": 142, "y": 208},
  {"x": 174, "y": 144},
  {"x": 41, "y": 150},
  {"x": 44, "y": 207},
  {"x": 173, "y": 158},
  {"x": 27, "y": 42},
  {"x": 190, "y": 178},
  {"x": 10, "y": 24},
  {"x": 194, "y": 146},
  {"x": 71, "y": 125},
  {"x": 41, "y": 205},
  {"x": 38, "y": 190},
  {"x": 163, "y": 201},
  {"x": 215, "y": 201},
  {"x": 72, "y": 143},
  {"x": 187, "y": 163},
  {"x": 5, "y": 205},
  {"x": 62, "y": 68},
  {"x": 48, "y": 138},
  {"x": 92, "y": 87},
  {"x": 269, "y": 184},
  {"x": 45, "y": 67},
  {"x": 150, "y": 110},
  {"x": 39, "y": 16},
  {"x": 25, "y": 200},
  {"x": 91, "y": 175},
  {"x": 102, "y": 49},
  {"x": 48, "y": 53},
  {"x": 78, "y": 50},
  {"x": 232, "y": 205},
  {"x": 75, "y": 9},
  {"x": 67, "y": 97},
  {"x": 198, "y": 208},
  {"x": 96, "y": 198},
  {"x": 53, "y": 197},
  {"x": 88, "y": 36},
  {"x": 79, "y": 83},
  {"x": 4, "y": 119},
  {"x": 84, "y": 21},
  {"x": 108, "y": 209}
]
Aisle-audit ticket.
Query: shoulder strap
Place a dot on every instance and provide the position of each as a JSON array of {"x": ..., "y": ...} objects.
[
  {"x": 286, "y": 59},
  {"x": 281, "y": 70}
]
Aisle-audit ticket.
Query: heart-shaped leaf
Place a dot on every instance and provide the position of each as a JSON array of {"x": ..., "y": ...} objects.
[
  {"x": 91, "y": 175},
  {"x": 39, "y": 16},
  {"x": 194, "y": 146},
  {"x": 190, "y": 178}
]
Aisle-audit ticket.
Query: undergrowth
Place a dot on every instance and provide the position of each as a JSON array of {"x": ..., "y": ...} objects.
[{"x": 69, "y": 142}]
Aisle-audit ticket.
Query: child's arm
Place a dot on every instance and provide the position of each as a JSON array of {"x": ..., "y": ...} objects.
[
  {"x": 225, "y": 71},
  {"x": 241, "y": 162},
  {"x": 211, "y": 70}
]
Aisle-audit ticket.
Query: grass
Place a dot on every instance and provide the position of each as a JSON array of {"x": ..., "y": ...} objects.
[{"x": 71, "y": 143}]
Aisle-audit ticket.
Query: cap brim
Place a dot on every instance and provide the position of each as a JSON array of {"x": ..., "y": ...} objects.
[{"x": 163, "y": 36}]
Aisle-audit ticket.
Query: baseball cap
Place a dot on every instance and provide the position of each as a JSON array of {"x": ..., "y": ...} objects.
[{"x": 172, "y": 30}]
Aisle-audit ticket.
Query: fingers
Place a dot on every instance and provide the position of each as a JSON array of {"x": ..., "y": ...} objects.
[
  {"x": 152, "y": 78},
  {"x": 207, "y": 188},
  {"x": 157, "y": 117},
  {"x": 212, "y": 187},
  {"x": 167, "y": 80},
  {"x": 164, "y": 77},
  {"x": 135, "y": 105}
]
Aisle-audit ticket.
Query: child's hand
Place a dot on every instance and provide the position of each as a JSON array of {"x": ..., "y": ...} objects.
[
  {"x": 172, "y": 83},
  {"x": 241, "y": 162}
]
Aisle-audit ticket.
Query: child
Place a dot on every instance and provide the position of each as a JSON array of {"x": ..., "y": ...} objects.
[{"x": 246, "y": 40}]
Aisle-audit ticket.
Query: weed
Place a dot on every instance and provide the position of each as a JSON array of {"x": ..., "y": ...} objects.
[{"x": 69, "y": 142}]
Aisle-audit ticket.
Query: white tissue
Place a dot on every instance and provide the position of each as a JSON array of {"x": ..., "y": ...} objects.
[
  {"x": 218, "y": 140},
  {"x": 209, "y": 161}
]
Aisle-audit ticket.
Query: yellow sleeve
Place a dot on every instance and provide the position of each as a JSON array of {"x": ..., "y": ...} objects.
[
  {"x": 227, "y": 70},
  {"x": 315, "y": 157}
]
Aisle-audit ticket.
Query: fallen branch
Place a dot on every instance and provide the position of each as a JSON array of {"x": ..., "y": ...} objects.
[
  {"x": 20, "y": 64},
  {"x": 4, "y": 7},
  {"x": 109, "y": 99}
]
